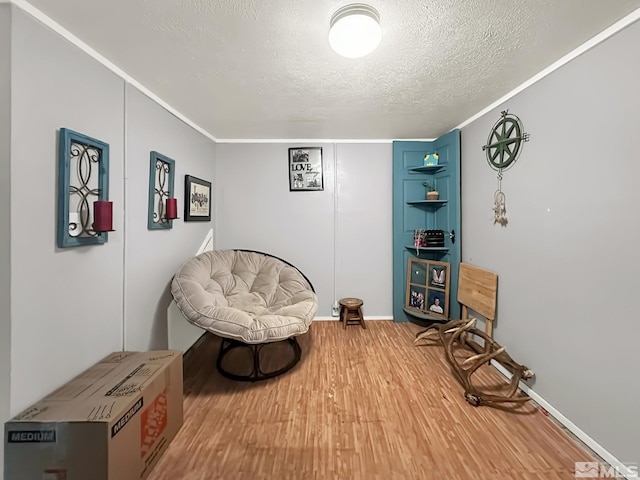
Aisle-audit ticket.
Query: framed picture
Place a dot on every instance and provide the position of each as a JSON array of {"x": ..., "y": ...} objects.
[
  {"x": 197, "y": 199},
  {"x": 438, "y": 275},
  {"x": 305, "y": 169},
  {"x": 427, "y": 290},
  {"x": 435, "y": 302}
]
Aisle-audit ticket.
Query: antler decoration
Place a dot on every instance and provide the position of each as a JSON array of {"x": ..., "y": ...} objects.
[{"x": 456, "y": 332}]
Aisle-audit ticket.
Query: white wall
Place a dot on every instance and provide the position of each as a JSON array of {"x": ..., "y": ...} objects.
[
  {"x": 568, "y": 259},
  {"x": 66, "y": 303},
  {"x": 256, "y": 210},
  {"x": 5, "y": 216},
  {"x": 72, "y": 306},
  {"x": 364, "y": 237},
  {"x": 153, "y": 256}
]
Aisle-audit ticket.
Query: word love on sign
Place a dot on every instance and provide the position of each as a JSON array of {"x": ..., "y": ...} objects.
[
  {"x": 296, "y": 167},
  {"x": 305, "y": 169}
]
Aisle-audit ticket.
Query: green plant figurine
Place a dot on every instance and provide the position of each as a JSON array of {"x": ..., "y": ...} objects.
[{"x": 432, "y": 193}]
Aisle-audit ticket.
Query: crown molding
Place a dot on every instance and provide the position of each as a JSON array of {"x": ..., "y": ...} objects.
[
  {"x": 67, "y": 35},
  {"x": 588, "y": 45}
]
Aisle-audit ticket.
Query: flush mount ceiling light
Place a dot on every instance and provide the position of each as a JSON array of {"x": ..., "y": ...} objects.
[{"x": 355, "y": 30}]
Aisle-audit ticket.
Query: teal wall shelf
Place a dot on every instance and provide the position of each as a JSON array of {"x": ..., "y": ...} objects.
[
  {"x": 427, "y": 203},
  {"x": 427, "y": 169}
]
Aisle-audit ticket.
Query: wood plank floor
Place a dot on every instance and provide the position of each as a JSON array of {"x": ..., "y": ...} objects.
[{"x": 361, "y": 404}]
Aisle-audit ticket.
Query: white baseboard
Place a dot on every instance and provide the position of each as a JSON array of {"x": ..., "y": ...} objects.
[
  {"x": 366, "y": 317},
  {"x": 569, "y": 425}
]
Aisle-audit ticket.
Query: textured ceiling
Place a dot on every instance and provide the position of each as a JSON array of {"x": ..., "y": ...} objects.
[{"x": 263, "y": 69}]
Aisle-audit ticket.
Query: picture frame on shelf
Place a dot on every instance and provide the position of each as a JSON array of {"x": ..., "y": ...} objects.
[
  {"x": 438, "y": 275},
  {"x": 305, "y": 169},
  {"x": 427, "y": 287},
  {"x": 197, "y": 199},
  {"x": 435, "y": 302}
]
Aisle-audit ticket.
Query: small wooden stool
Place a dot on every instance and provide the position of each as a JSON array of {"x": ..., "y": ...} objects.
[{"x": 351, "y": 312}]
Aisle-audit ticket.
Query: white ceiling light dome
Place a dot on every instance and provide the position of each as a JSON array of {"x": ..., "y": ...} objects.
[{"x": 355, "y": 30}]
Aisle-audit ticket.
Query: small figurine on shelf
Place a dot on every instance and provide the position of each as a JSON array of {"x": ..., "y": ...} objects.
[
  {"x": 432, "y": 193},
  {"x": 431, "y": 160}
]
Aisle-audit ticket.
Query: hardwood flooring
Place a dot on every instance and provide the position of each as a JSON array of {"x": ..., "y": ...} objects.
[{"x": 361, "y": 404}]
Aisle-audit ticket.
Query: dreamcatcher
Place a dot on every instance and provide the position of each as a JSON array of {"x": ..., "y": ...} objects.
[{"x": 502, "y": 149}]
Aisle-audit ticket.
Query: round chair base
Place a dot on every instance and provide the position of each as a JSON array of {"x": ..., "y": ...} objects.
[{"x": 256, "y": 372}]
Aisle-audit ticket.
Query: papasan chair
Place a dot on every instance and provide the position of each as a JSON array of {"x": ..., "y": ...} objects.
[{"x": 248, "y": 298}]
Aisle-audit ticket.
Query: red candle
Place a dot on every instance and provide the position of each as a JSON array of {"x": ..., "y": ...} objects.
[
  {"x": 102, "y": 216},
  {"x": 172, "y": 209}
]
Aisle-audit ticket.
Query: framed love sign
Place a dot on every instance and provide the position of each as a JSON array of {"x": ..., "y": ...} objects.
[{"x": 305, "y": 169}]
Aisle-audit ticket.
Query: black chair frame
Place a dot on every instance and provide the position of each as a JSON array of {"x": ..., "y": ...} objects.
[{"x": 257, "y": 373}]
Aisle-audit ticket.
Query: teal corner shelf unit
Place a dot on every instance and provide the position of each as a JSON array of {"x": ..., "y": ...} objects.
[{"x": 411, "y": 212}]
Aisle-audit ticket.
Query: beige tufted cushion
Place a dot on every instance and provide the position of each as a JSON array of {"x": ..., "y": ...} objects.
[{"x": 246, "y": 296}]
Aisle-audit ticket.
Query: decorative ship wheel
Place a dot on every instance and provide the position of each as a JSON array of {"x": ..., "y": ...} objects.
[
  {"x": 504, "y": 142},
  {"x": 502, "y": 150}
]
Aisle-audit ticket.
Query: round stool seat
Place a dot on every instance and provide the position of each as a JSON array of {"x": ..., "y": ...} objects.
[
  {"x": 351, "y": 302},
  {"x": 351, "y": 311}
]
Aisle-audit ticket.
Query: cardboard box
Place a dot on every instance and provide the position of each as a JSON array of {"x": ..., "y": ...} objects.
[{"x": 112, "y": 422}]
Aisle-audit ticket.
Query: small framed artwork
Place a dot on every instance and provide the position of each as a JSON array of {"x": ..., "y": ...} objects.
[
  {"x": 437, "y": 275},
  {"x": 197, "y": 199},
  {"x": 427, "y": 290},
  {"x": 305, "y": 169},
  {"x": 435, "y": 302},
  {"x": 416, "y": 296}
]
